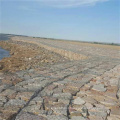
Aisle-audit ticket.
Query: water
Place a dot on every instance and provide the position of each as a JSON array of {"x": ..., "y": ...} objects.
[
  {"x": 4, "y": 53},
  {"x": 4, "y": 37}
]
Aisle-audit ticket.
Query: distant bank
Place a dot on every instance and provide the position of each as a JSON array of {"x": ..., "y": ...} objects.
[{"x": 7, "y": 36}]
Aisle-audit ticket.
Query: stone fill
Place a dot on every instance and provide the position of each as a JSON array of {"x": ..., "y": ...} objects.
[{"x": 87, "y": 89}]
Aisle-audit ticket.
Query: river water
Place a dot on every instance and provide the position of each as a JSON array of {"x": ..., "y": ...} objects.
[{"x": 4, "y": 53}]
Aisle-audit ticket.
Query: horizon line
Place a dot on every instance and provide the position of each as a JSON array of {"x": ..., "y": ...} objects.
[{"x": 93, "y": 42}]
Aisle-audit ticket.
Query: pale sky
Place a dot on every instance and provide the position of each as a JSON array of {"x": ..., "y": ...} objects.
[{"x": 86, "y": 20}]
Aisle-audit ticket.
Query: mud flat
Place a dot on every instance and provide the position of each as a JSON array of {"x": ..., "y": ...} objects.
[{"x": 39, "y": 83}]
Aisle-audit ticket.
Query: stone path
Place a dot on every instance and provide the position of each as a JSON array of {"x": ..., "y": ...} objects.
[{"x": 78, "y": 90}]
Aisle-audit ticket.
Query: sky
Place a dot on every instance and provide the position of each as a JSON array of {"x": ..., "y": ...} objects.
[{"x": 84, "y": 20}]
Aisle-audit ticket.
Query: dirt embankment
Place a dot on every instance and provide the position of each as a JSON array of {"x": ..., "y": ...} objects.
[{"x": 25, "y": 55}]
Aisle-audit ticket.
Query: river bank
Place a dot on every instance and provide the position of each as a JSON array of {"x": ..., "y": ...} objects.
[{"x": 26, "y": 56}]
